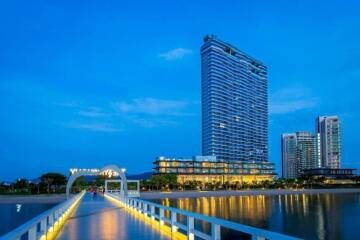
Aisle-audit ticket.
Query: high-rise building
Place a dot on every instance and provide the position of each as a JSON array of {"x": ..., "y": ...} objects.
[
  {"x": 234, "y": 103},
  {"x": 298, "y": 153},
  {"x": 329, "y": 131},
  {"x": 317, "y": 146},
  {"x": 305, "y": 151},
  {"x": 288, "y": 155},
  {"x": 234, "y": 121}
]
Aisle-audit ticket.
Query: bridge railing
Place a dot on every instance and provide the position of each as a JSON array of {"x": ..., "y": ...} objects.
[
  {"x": 46, "y": 222},
  {"x": 157, "y": 212}
]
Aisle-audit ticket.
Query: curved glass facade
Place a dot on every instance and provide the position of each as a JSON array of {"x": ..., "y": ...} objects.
[{"x": 234, "y": 103}]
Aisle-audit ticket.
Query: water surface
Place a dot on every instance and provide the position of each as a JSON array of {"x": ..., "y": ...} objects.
[
  {"x": 13, "y": 215},
  {"x": 308, "y": 216}
]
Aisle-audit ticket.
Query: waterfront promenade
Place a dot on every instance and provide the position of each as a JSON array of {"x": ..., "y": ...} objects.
[{"x": 99, "y": 218}]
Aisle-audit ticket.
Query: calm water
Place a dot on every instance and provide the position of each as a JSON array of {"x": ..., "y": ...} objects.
[
  {"x": 315, "y": 216},
  {"x": 13, "y": 215}
]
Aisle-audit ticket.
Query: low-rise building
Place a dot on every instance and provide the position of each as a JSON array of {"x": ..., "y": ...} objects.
[
  {"x": 332, "y": 175},
  {"x": 208, "y": 169}
]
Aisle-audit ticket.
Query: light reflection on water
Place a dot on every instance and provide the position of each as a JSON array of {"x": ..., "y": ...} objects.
[{"x": 309, "y": 216}]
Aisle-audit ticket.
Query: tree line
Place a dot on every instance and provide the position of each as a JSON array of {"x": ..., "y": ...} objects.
[
  {"x": 56, "y": 183},
  {"x": 48, "y": 183}
]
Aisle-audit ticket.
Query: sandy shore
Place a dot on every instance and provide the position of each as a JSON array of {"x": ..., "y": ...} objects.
[
  {"x": 51, "y": 198},
  {"x": 195, "y": 194}
]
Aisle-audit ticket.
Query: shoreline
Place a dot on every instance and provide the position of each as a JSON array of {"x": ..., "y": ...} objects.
[
  {"x": 57, "y": 198},
  {"x": 47, "y": 198},
  {"x": 228, "y": 193}
]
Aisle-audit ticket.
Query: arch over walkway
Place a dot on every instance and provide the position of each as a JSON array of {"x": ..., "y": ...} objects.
[{"x": 93, "y": 172}]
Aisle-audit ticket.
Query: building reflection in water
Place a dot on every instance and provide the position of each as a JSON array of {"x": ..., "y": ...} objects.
[{"x": 309, "y": 216}]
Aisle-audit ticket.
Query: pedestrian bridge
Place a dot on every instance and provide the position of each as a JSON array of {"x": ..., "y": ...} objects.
[
  {"x": 114, "y": 216},
  {"x": 97, "y": 217},
  {"x": 123, "y": 215}
]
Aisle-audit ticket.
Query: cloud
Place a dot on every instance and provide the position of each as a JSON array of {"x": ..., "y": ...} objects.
[
  {"x": 153, "y": 122},
  {"x": 96, "y": 127},
  {"x": 291, "y": 99},
  {"x": 145, "y": 112},
  {"x": 152, "y": 106},
  {"x": 176, "y": 53},
  {"x": 92, "y": 112}
]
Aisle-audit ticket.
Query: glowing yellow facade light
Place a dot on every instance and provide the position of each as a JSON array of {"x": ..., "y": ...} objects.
[{"x": 54, "y": 230}]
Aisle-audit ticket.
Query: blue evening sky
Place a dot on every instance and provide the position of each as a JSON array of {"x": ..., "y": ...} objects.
[{"x": 87, "y": 83}]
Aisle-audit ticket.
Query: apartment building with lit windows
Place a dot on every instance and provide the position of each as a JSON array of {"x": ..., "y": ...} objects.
[
  {"x": 208, "y": 169},
  {"x": 234, "y": 120},
  {"x": 234, "y": 103},
  {"x": 329, "y": 130},
  {"x": 288, "y": 154},
  {"x": 298, "y": 152},
  {"x": 304, "y": 152}
]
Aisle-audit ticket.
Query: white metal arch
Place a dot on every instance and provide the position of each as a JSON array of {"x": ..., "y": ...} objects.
[
  {"x": 78, "y": 174},
  {"x": 121, "y": 173}
]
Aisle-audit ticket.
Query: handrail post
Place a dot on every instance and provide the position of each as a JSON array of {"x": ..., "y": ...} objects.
[
  {"x": 145, "y": 209},
  {"x": 254, "y": 237},
  {"x": 161, "y": 216},
  {"x": 32, "y": 233},
  {"x": 215, "y": 232},
  {"x": 141, "y": 207},
  {"x": 173, "y": 221},
  {"x": 56, "y": 215},
  {"x": 152, "y": 211},
  {"x": 60, "y": 214},
  {"x": 190, "y": 228},
  {"x": 43, "y": 226},
  {"x": 51, "y": 220},
  {"x": 138, "y": 206}
]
